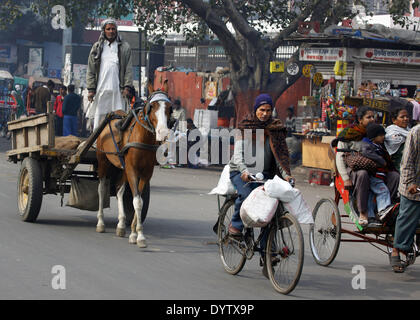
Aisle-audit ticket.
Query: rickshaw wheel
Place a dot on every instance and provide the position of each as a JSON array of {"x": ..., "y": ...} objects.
[
  {"x": 325, "y": 233},
  {"x": 30, "y": 190}
]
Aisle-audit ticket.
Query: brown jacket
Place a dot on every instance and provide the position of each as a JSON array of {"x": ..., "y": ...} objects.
[{"x": 40, "y": 98}]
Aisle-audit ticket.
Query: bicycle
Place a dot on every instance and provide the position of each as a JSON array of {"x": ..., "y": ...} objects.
[{"x": 283, "y": 253}]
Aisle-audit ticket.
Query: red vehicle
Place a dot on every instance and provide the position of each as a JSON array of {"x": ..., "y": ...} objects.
[{"x": 329, "y": 225}]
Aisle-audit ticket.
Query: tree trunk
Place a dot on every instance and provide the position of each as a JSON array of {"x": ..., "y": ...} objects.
[{"x": 247, "y": 85}]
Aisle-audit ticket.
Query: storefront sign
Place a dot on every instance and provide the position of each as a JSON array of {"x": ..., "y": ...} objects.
[
  {"x": 307, "y": 70},
  {"x": 292, "y": 69},
  {"x": 323, "y": 54},
  {"x": 318, "y": 78},
  {"x": 8, "y": 54},
  {"x": 376, "y": 104},
  {"x": 400, "y": 56}
]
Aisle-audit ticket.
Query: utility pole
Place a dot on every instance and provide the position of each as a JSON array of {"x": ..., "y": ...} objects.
[{"x": 140, "y": 62}]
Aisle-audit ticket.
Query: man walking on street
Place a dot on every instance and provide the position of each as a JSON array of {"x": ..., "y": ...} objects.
[
  {"x": 409, "y": 215},
  {"x": 71, "y": 106}
]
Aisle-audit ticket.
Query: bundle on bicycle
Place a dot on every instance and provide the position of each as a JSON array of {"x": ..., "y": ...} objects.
[
  {"x": 280, "y": 242},
  {"x": 373, "y": 220}
]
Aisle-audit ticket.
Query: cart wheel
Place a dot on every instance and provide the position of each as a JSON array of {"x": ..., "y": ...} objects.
[
  {"x": 30, "y": 189},
  {"x": 128, "y": 204},
  {"x": 325, "y": 233}
]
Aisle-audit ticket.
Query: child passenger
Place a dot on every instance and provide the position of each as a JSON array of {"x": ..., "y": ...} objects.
[{"x": 373, "y": 148}]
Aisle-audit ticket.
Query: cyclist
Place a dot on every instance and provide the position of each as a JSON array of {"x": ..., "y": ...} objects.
[{"x": 276, "y": 155}]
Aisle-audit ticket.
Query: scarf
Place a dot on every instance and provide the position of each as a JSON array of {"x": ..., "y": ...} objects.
[
  {"x": 102, "y": 38},
  {"x": 394, "y": 138},
  {"x": 355, "y": 132},
  {"x": 276, "y": 133}
]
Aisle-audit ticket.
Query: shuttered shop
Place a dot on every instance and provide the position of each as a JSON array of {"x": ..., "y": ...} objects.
[
  {"x": 327, "y": 70},
  {"x": 396, "y": 74}
]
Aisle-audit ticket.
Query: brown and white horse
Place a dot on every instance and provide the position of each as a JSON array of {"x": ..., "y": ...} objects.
[{"x": 136, "y": 160}]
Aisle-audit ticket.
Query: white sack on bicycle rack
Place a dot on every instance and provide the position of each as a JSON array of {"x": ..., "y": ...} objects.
[
  {"x": 280, "y": 189},
  {"x": 225, "y": 186},
  {"x": 258, "y": 208},
  {"x": 299, "y": 208}
]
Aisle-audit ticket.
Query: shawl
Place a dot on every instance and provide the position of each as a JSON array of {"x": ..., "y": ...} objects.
[
  {"x": 355, "y": 132},
  {"x": 277, "y": 134},
  {"x": 394, "y": 138}
]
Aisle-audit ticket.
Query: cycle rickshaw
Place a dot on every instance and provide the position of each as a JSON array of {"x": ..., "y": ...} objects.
[{"x": 325, "y": 234}]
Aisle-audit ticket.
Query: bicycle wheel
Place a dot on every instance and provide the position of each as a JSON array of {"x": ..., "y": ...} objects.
[
  {"x": 233, "y": 258},
  {"x": 285, "y": 253},
  {"x": 325, "y": 233}
]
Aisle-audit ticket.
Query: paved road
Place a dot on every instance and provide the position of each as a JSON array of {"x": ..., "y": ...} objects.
[{"x": 181, "y": 261}]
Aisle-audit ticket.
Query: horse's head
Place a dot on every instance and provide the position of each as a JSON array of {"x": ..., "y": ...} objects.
[{"x": 159, "y": 110}]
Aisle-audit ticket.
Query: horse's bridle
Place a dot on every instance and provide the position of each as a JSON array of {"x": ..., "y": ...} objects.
[
  {"x": 146, "y": 110},
  {"x": 148, "y": 126}
]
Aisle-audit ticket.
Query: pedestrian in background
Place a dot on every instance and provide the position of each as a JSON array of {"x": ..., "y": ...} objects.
[
  {"x": 178, "y": 113},
  {"x": 41, "y": 96},
  {"x": 58, "y": 110},
  {"x": 71, "y": 106}
]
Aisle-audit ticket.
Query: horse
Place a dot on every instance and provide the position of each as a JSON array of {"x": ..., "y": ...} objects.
[{"x": 129, "y": 157}]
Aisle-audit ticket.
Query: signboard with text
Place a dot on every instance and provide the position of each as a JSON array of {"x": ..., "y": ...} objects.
[
  {"x": 388, "y": 55},
  {"x": 323, "y": 54}
]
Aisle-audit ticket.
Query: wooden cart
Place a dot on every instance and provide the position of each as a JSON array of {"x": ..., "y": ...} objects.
[{"x": 48, "y": 170}]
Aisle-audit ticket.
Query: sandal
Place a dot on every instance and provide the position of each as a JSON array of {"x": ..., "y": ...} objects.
[
  {"x": 396, "y": 264},
  {"x": 363, "y": 222}
]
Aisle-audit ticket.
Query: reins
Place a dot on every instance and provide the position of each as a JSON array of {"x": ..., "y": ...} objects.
[{"x": 147, "y": 125}]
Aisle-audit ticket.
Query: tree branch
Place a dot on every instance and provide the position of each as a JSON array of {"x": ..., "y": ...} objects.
[
  {"x": 293, "y": 26},
  {"x": 216, "y": 24},
  {"x": 240, "y": 23}
]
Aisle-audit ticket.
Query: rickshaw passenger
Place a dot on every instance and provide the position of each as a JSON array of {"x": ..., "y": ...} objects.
[
  {"x": 396, "y": 134},
  {"x": 374, "y": 149},
  {"x": 276, "y": 156},
  {"x": 351, "y": 138}
]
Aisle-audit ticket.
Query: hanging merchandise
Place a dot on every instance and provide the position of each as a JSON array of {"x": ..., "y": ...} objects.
[
  {"x": 340, "y": 68},
  {"x": 404, "y": 92},
  {"x": 337, "y": 110}
]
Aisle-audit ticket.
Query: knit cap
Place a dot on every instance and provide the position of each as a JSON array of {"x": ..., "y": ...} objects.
[
  {"x": 262, "y": 99},
  {"x": 373, "y": 130}
]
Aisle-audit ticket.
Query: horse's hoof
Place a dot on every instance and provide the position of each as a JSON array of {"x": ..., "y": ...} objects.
[
  {"x": 100, "y": 229},
  {"x": 141, "y": 244},
  {"x": 132, "y": 239},
  {"x": 120, "y": 232}
]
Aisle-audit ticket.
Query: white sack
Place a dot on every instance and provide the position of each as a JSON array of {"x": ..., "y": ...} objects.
[
  {"x": 280, "y": 189},
  {"x": 299, "y": 208},
  {"x": 258, "y": 208},
  {"x": 225, "y": 186}
]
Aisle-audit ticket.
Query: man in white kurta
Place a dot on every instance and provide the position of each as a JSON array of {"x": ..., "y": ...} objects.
[
  {"x": 109, "y": 72},
  {"x": 108, "y": 96}
]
